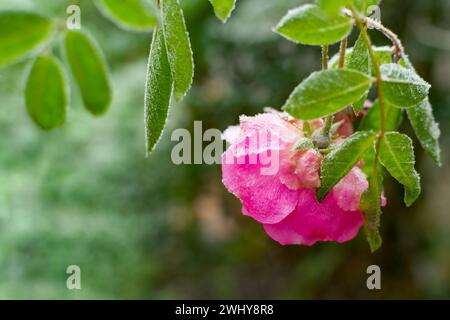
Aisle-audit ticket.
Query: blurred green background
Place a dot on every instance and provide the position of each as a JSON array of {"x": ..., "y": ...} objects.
[{"x": 146, "y": 229}]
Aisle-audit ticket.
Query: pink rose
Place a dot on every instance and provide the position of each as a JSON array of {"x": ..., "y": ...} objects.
[{"x": 277, "y": 185}]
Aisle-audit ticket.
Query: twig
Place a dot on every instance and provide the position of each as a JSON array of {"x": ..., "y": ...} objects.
[{"x": 342, "y": 51}]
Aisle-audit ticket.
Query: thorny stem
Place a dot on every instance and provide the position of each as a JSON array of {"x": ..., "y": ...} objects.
[
  {"x": 324, "y": 57},
  {"x": 342, "y": 51},
  {"x": 399, "y": 50},
  {"x": 378, "y": 77},
  {"x": 329, "y": 120},
  {"x": 327, "y": 126},
  {"x": 376, "y": 66}
]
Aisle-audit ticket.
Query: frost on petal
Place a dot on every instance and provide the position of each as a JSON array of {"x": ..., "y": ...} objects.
[
  {"x": 287, "y": 172},
  {"x": 231, "y": 134},
  {"x": 348, "y": 191},
  {"x": 262, "y": 133},
  {"x": 307, "y": 169},
  {"x": 301, "y": 170},
  {"x": 268, "y": 122},
  {"x": 264, "y": 197},
  {"x": 313, "y": 221}
]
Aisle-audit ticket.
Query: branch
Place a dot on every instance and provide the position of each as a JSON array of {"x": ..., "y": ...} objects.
[
  {"x": 399, "y": 50},
  {"x": 359, "y": 22}
]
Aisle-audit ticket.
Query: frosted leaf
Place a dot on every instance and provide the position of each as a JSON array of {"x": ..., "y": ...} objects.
[
  {"x": 327, "y": 92},
  {"x": 178, "y": 46},
  {"x": 342, "y": 159},
  {"x": 223, "y": 8},
  {"x": 426, "y": 129},
  {"x": 158, "y": 90},
  {"x": 397, "y": 156},
  {"x": 308, "y": 24},
  {"x": 402, "y": 87}
]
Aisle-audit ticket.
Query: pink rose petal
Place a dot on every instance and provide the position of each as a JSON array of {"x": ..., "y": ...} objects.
[
  {"x": 313, "y": 221},
  {"x": 348, "y": 191}
]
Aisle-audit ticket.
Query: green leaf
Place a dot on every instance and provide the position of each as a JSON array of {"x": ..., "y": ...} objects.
[
  {"x": 178, "y": 47},
  {"x": 359, "y": 60},
  {"x": 308, "y": 24},
  {"x": 134, "y": 15},
  {"x": 402, "y": 87},
  {"x": 341, "y": 160},
  {"x": 223, "y": 8},
  {"x": 327, "y": 92},
  {"x": 21, "y": 33},
  {"x": 371, "y": 209},
  {"x": 89, "y": 69},
  {"x": 397, "y": 156},
  {"x": 372, "y": 120},
  {"x": 158, "y": 90},
  {"x": 426, "y": 129},
  {"x": 46, "y": 93},
  {"x": 333, "y": 6},
  {"x": 383, "y": 54}
]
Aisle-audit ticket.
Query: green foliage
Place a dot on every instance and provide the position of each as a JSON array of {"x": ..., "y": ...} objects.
[
  {"x": 383, "y": 55},
  {"x": 134, "y": 15},
  {"x": 171, "y": 69},
  {"x": 333, "y": 6},
  {"x": 309, "y": 25},
  {"x": 397, "y": 156},
  {"x": 89, "y": 69},
  {"x": 258, "y": 17},
  {"x": 359, "y": 60},
  {"x": 402, "y": 87},
  {"x": 341, "y": 160},
  {"x": 178, "y": 47},
  {"x": 46, "y": 93},
  {"x": 326, "y": 92},
  {"x": 21, "y": 33},
  {"x": 223, "y": 8},
  {"x": 371, "y": 208},
  {"x": 39, "y": 237},
  {"x": 426, "y": 129},
  {"x": 158, "y": 90},
  {"x": 372, "y": 121}
]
